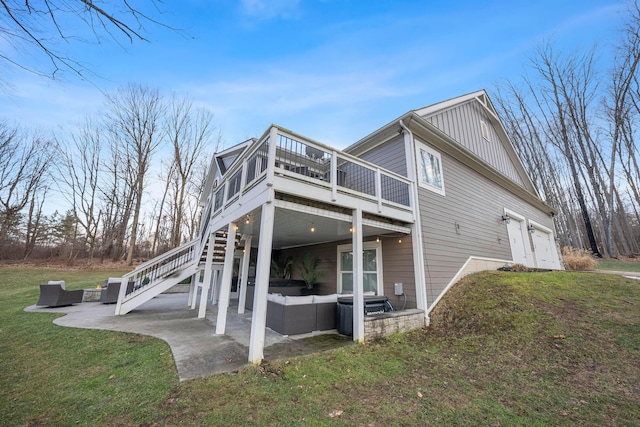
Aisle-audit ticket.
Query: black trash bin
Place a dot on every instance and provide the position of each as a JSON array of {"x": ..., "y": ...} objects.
[{"x": 373, "y": 304}]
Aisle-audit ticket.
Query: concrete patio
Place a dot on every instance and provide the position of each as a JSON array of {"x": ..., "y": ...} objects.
[{"x": 197, "y": 350}]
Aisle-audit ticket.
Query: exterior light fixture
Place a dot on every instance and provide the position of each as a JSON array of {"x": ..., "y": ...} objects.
[
  {"x": 350, "y": 229},
  {"x": 531, "y": 229},
  {"x": 506, "y": 218},
  {"x": 377, "y": 239},
  {"x": 399, "y": 241},
  {"x": 313, "y": 228},
  {"x": 247, "y": 220}
]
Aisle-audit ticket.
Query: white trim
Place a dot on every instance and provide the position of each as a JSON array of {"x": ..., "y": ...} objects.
[
  {"x": 420, "y": 146},
  {"x": 484, "y": 130},
  {"x": 416, "y": 228},
  {"x": 365, "y": 246},
  {"x": 541, "y": 227},
  {"x": 463, "y": 271},
  {"x": 512, "y": 214}
]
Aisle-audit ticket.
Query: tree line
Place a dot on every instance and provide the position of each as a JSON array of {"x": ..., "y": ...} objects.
[
  {"x": 123, "y": 202},
  {"x": 574, "y": 123}
]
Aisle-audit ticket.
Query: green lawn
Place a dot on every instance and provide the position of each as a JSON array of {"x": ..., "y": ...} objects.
[
  {"x": 530, "y": 349},
  {"x": 616, "y": 265}
]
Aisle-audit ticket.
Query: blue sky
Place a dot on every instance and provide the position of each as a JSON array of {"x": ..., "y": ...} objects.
[{"x": 329, "y": 69}]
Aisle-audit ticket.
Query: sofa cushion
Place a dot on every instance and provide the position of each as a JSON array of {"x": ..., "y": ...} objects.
[
  {"x": 325, "y": 298},
  {"x": 277, "y": 298},
  {"x": 298, "y": 300},
  {"x": 56, "y": 282}
]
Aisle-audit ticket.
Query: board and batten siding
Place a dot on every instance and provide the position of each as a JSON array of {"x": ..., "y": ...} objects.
[
  {"x": 465, "y": 222},
  {"x": 462, "y": 123},
  {"x": 389, "y": 155}
]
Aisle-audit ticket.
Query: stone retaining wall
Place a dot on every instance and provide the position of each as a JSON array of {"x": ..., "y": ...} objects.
[{"x": 383, "y": 325}]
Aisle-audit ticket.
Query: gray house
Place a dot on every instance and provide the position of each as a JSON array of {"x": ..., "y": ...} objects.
[{"x": 402, "y": 214}]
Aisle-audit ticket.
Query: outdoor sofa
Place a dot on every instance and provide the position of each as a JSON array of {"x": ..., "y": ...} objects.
[
  {"x": 277, "y": 286},
  {"x": 54, "y": 295},
  {"x": 291, "y": 315},
  {"x": 110, "y": 290}
]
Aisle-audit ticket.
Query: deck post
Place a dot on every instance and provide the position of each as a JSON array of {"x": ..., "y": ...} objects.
[
  {"x": 208, "y": 266},
  {"x": 358, "y": 279},
  {"x": 215, "y": 284},
  {"x": 192, "y": 288},
  {"x": 244, "y": 274},
  {"x": 259, "y": 317},
  {"x": 334, "y": 175},
  {"x": 225, "y": 283}
]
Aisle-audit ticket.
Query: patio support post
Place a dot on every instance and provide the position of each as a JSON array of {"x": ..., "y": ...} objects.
[
  {"x": 227, "y": 276},
  {"x": 259, "y": 317},
  {"x": 244, "y": 274},
  {"x": 207, "y": 277},
  {"x": 215, "y": 284},
  {"x": 192, "y": 288},
  {"x": 358, "y": 279}
]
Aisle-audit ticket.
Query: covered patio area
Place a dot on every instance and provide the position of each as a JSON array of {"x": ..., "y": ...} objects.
[{"x": 197, "y": 350}]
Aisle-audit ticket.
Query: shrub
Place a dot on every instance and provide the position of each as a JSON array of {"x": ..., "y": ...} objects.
[{"x": 577, "y": 259}]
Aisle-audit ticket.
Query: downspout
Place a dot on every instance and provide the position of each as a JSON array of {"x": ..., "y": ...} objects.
[{"x": 416, "y": 238}]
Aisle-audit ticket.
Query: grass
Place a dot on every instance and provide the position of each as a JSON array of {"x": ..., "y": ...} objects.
[
  {"x": 618, "y": 265},
  {"x": 532, "y": 349}
]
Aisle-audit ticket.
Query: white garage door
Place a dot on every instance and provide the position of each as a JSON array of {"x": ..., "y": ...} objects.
[
  {"x": 544, "y": 248},
  {"x": 519, "y": 240}
]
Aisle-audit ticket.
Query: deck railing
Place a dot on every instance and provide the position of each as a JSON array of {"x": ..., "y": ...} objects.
[{"x": 314, "y": 163}]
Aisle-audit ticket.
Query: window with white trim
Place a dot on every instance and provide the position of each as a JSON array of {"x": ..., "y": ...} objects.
[
  {"x": 485, "y": 129},
  {"x": 371, "y": 266},
  {"x": 429, "y": 169}
]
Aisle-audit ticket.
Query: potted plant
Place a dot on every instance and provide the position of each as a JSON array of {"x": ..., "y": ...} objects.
[
  {"x": 280, "y": 266},
  {"x": 309, "y": 272}
]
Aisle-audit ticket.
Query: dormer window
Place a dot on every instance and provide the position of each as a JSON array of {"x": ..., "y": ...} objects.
[{"x": 485, "y": 129}]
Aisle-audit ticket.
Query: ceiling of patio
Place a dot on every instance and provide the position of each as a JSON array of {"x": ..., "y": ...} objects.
[{"x": 294, "y": 228}]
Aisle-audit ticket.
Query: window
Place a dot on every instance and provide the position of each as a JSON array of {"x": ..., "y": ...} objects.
[
  {"x": 371, "y": 266},
  {"x": 485, "y": 129},
  {"x": 429, "y": 169}
]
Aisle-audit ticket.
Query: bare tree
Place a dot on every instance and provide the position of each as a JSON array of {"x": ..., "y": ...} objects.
[
  {"x": 189, "y": 131},
  {"x": 133, "y": 119},
  {"x": 24, "y": 162},
  {"x": 569, "y": 117},
  {"x": 34, "y": 223},
  {"x": 80, "y": 163},
  {"x": 30, "y": 28}
]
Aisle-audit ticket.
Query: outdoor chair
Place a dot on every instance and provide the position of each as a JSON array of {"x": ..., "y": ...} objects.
[
  {"x": 56, "y": 296},
  {"x": 110, "y": 291}
]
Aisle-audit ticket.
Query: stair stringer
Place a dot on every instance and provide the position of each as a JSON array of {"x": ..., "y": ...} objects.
[{"x": 136, "y": 299}]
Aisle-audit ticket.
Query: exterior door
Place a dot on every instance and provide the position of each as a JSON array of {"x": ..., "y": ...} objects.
[
  {"x": 371, "y": 266},
  {"x": 519, "y": 241},
  {"x": 545, "y": 252}
]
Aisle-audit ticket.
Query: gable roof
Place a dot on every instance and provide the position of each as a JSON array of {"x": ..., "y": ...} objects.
[
  {"x": 482, "y": 99},
  {"x": 220, "y": 163},
  {"x": 417, "y": 121}
]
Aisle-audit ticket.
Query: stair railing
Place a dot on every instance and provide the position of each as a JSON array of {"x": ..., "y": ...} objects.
[{"x": 149, "y": 273}]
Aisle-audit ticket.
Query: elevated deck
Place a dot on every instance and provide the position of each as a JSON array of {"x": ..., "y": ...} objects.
[{"x": 313, "y": 174}]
